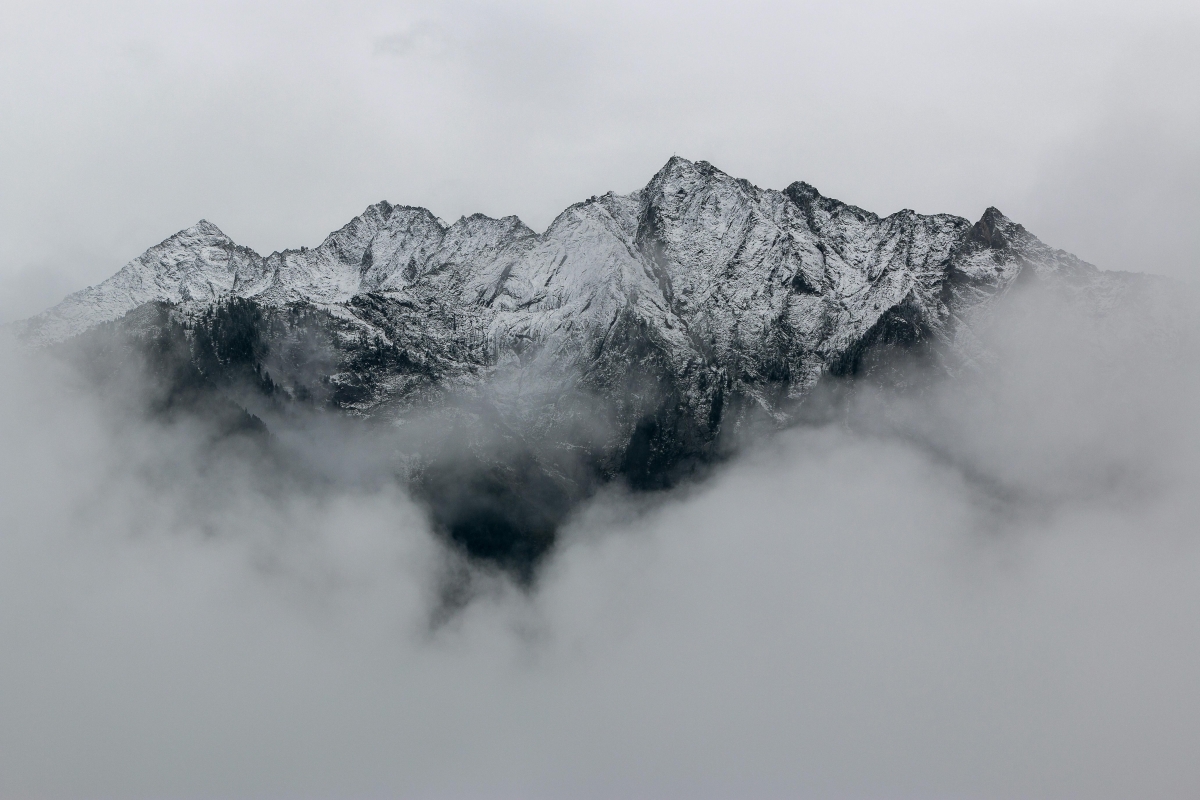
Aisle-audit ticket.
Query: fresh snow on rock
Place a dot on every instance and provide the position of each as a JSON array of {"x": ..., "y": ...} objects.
[{"x": 767, "y": 290}]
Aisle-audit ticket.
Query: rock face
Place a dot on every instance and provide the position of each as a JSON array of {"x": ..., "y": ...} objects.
[{"x": 627, "y": 340}]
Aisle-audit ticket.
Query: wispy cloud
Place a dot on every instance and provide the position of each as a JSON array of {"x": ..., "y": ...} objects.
[{"x": 987, "y": 589}]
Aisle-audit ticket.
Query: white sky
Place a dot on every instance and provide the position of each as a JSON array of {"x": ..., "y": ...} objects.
[{"x": 126, "y": 121}]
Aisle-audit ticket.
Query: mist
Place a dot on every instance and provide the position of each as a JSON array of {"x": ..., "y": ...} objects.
[{"x": 982, "y": 585}]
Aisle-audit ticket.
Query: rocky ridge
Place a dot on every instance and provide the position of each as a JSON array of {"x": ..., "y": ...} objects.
[
  {"x": 627, "y": 340},
  {"x": 772, "y": 287}
]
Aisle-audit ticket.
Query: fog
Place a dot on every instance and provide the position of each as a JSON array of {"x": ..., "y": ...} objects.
[{"x": 986, "y": 588}]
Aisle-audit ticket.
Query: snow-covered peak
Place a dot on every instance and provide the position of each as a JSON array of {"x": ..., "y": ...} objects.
[
  {"x": 696, "y": 250},
  {"x": 198, "y": 264}
]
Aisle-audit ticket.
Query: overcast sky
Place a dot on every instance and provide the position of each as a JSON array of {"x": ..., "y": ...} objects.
[{"x": 127, "y": 121}]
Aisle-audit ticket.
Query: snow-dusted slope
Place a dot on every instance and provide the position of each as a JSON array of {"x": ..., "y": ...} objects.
[
  {"x": 760, "y": 290},
  {"x": 200, "y": 264}
]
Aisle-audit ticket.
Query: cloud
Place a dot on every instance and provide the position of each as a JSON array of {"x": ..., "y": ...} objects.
[
  {"x": 1134, "y": 160},
  {"x": 422, "y": 39},
  {"x": 985, "y": 589}
]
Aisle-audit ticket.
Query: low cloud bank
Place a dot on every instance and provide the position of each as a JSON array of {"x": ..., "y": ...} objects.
[{"x": 985, "y": 588}]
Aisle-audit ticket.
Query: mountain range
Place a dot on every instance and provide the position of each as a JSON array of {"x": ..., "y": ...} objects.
[{"x": 631, "y": 340}]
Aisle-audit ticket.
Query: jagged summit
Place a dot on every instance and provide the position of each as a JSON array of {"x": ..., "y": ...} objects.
[
  {"x": 770, "y": 289},
  {"x": 203, "y": 228},
  {"x": 695, "y": 250},
  {"x": 990, "y": 228},
  {"x": 775, "y": 288}
]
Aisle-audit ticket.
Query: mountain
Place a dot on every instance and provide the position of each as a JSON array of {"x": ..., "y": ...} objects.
[{"x": 631, "y": 340}]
